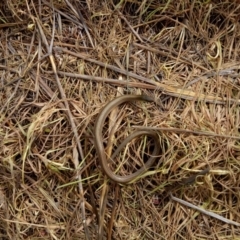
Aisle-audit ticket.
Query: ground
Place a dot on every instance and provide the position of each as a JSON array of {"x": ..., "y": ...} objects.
[{"x": 62, "y": 62}]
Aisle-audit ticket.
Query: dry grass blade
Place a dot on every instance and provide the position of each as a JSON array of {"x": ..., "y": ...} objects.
[
  {"x": 211, "y": 214},
  {"x": 63, "y": 96},
  {"x": 62, "y": 61},
  {"x": 166, "y": 89}
]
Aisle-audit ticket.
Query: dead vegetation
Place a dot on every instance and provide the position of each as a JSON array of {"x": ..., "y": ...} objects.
[{"x": 61, "y": 62}]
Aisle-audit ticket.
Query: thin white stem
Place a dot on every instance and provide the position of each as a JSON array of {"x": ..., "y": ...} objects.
[{"x": 211, "y": 214}]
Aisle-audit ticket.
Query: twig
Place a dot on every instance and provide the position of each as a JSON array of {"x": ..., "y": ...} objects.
[
  {"x": 116, "y": 82},
  {"x": 223, "y": 72},
  {"x": 211, "y": 214},
  {"x": 187, "y": 131},
  {"x": 166, "y": 89}
]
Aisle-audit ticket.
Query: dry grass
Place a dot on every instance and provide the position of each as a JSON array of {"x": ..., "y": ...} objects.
[{"x": 61, "y": 63}]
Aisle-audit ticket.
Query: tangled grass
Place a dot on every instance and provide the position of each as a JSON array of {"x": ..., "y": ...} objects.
[{"x": 62, "y": 61}]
